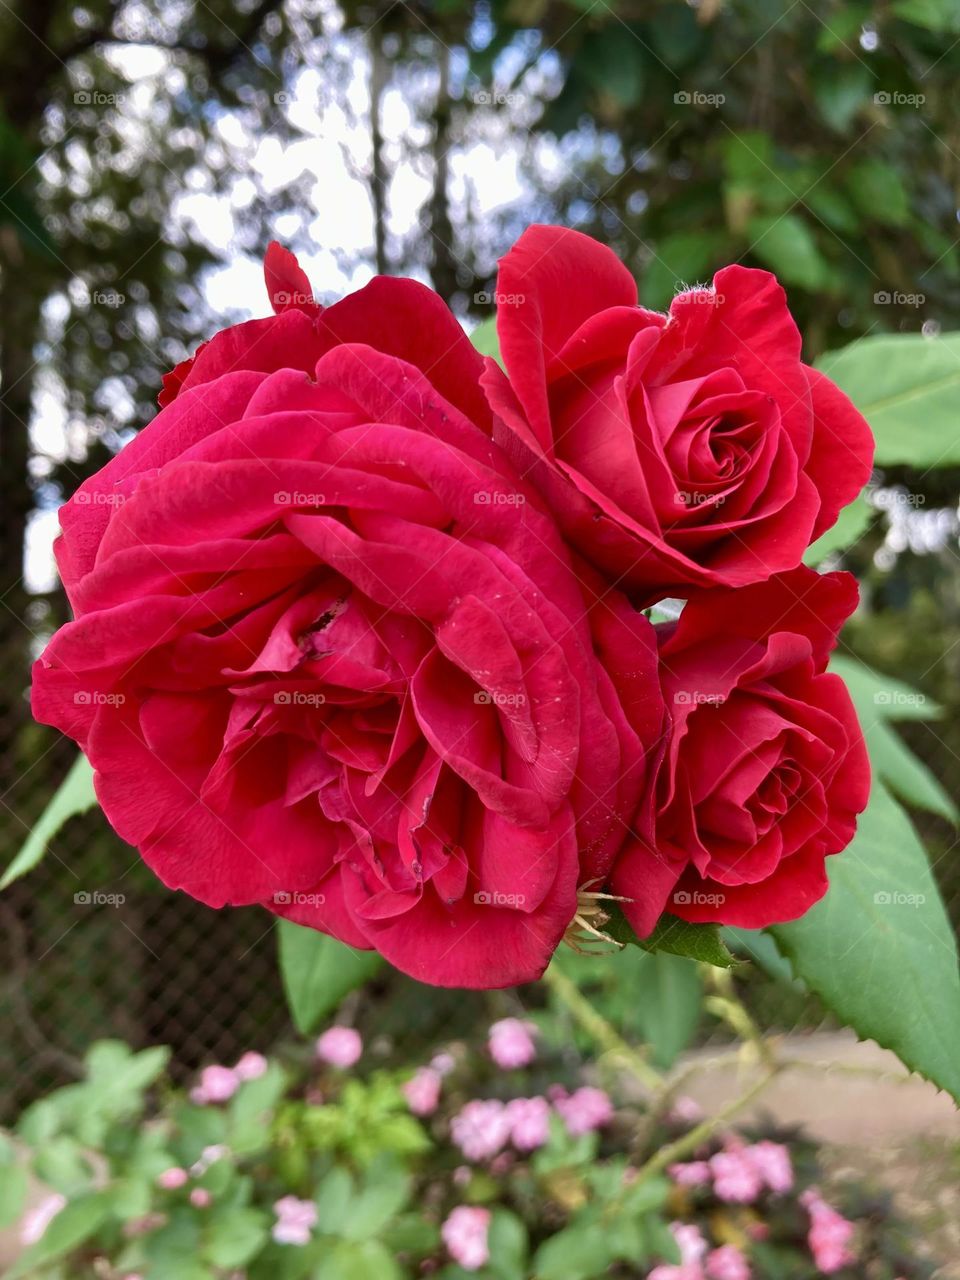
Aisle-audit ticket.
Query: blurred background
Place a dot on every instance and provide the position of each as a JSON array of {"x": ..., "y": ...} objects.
[{"x": 148, "y": 152}]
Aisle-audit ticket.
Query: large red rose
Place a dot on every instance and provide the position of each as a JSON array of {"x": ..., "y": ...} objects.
[
  {"x": 329, "y": 654},
  {"x": 765, "y": 768},
  {"x": 680, "y": 451}
]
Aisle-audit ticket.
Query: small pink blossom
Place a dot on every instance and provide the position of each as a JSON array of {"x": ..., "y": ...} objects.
[
  {"x": 584, "y": 1110},
  {"x": 251, "y": 1066},
  {"x": 511, "y": 1043},
  {"x": 481, "y": 1128},
  {"x": 830, "y": 1234},
  {"x": 295, "y": 1220},
  {"x": 685, "y": 1110},
  {"x": 217, "y": 1084},
  {"x": 529, "y": 1122},
  {"x": 465, "y": 1235},
  {"x": 772, "y": 1163},
  {"x": 734, "y": 1177},
  {"x": 173, "y": 1178},
  {"x": 696, "y": 1173},
  {"x": 37, "y": 1220},
  {"x": 443, "y": 1063},
  {"x": 340, "y": 1047},
  {"x": 422, "y": 1091},
  {"x": 692, "y": 1247},
  {"x": 727, "y": 1263},
  {"x": 200, "y": 1197}
]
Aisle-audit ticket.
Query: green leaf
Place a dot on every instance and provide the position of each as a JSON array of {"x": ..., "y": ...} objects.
[
  {"x": 613, "y": 64},
  {"x": 76, "y": 1222},
  {"x": 841, "y": 91},
  {"x": 786, "y": 244},
  {"x": 697, "y": 941},
  {"x": 879, "y": 700},
  {"x": 508, "y": 1245},
  {"x": 318, "y": 971},
  {"x": 879, "y": 950},
  {"x": 682, "y": 258},
  {"x": 877, "y": 190},
  {"x": 576, "y": 1253},
  {"x": 907, "y": 387},
  {"x": 13, "y": 1183},
  {"x": 935, "y": 15},
  {"x": 233, "y": 1236},
  {"x": 852, "y": 523},
  {"x": 668, "y": 1004},
  {"x": 350, "y": 1261},
  {"x": 369, "y": 1212},
  {"x": 74, "y": 795},
  {"x": 251, "y": 1109},
  {"x": 484, "y": 338},
  {"x": 762, "y": 950}
]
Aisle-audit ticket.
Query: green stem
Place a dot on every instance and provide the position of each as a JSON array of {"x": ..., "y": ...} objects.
[{"x": 609, "y": 1040}]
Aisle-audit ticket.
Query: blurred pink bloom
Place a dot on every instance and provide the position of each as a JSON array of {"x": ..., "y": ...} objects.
[
  {"x": 685, "y": 1110},
  {"x": 340, "y": 1047},
  {"x": 462, "y": 1175},
  {"x": 37, "y": 1220},
  {"x": 735, "y": 1179},
  {"x": 173, "y": 1178},
  {"x": 443, "y": 1063},
  {"x": 693, "y": 1174},
  {"x": 295, "y": 1220},
  {"x": 830, "y": 1234},
  {"x": 529, "y": 1122},
  {"x": 727, "y": 1263},
  {"x": 422, "y": 1091},
  {"x": 465, "y": 1235},
  {"x": 772, "y": 1163},
  {"x": 584, "y": 1110},
  {"x": 511, "y": 1043},
  {"x": 692, "y": 1247},
  {"x": 480, "y": 1128},
  {"x": 501, "y": 1165},
  {"x": 200, "y": 1197},
  {"x": 251, "y": 1066},
  {"x": 217, "y": 1084}
]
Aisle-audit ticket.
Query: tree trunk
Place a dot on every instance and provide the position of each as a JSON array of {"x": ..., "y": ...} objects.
[{"x": 444, "y": 269}]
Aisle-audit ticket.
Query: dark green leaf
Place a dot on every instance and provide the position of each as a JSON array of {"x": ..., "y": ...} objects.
[{"x": 318, "y": 972}]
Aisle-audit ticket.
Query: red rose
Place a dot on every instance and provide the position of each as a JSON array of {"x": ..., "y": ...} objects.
[
  {"x": 689, "y": 450},
  {"x": 329, "y": 653},
  {"x": 765, "y": 768}
]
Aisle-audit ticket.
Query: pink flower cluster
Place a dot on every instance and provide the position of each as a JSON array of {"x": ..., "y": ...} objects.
[
  {"x": 830, "y": 1234},
  {"x": 740, "y": 1172},
  {"x": 484, "y": 1126},
  {"x": 511, "y": 1043},
  {"x": 295, "y": 1220},
  {"x": 219, "y": 1084},
  {"x": 465, "y": 1235},
  {"x": 698, "y": 1261},
  {"x": 339, "y": 1047}
]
